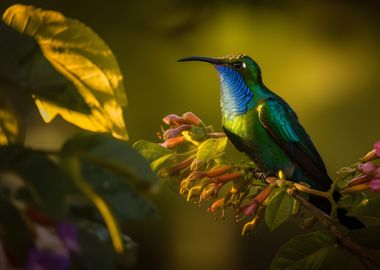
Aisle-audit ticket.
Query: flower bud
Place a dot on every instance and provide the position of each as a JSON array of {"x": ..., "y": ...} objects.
[
  {"x": 174, "y": 132},
  {"x": 173, "y": 119},
  {"x": 249, "y": 209},
  {"x": 367, "y": 168},
  {"x": 376, "y": 147},
  {"x": 377, "y": 172},
  {"x": 374, "y": 185},
  {"x": 218, "y": 204},
  {"x": 358, "y": 180},
  {"x": 263, "y": 194},
  {"x": 216, "y": 171},
  {"x": 173, "y": 142},
  {"x": 227, "y": 177},
  {"x": 191, "y": 118},
  {"x": 210, "y": 190}
]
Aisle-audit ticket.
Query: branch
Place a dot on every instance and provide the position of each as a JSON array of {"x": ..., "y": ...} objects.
[
  {"x": 326, "y": 222},
  {"x": 329, "y": 224}
]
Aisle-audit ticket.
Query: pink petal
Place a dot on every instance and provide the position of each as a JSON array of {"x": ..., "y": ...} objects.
[
  {"x": 375, "y": 185},
  {"x": 376, "y": 147},
  {"x": 377, "y": 172},
  {"x": 367, "y": 168}
]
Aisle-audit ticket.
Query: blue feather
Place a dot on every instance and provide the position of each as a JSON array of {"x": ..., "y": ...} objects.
[{"x": 235, "y": 94}]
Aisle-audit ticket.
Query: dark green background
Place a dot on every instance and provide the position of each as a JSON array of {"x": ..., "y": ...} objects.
[{"x": 321, "y": 56}]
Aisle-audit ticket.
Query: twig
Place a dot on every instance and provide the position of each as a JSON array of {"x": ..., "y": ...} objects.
[{"x": 329, "y": 224}]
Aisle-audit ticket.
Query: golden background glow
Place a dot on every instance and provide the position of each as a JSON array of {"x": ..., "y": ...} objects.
[{"x": 322, "y": 57}]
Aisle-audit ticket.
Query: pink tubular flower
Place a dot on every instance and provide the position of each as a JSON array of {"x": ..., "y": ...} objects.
[
  {"x": 191, "y": 118},
  {"x": 173, "y": 119},
  {"x": 375, "y": 185},
  {"x": 373, "y": 154},
  {"x": 174, "y": 132},
  {"x": 173, "y": 142},
  {"x": 376, "y": 147},
  {"x": 367, "y": 168},
  {"x": 249, "y": 209},
  {"x": 377, "y": 172}
]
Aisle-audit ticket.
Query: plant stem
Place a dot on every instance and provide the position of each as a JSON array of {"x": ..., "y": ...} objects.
[{"x": 329, "y": 224}]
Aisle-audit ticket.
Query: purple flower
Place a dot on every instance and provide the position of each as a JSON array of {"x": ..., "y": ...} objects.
[
  {"x": 46, "y": 260},
  {"x": 69, "y": 235},
  {"x": 376, "y": 147},
  {"x": 375, "y": 185},
  {"x": 53, "y": 247},
  {"x": 367, "y": 168}
]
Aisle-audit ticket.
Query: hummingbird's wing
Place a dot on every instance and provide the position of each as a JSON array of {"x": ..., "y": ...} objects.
[{"x": 282, "y": 124}]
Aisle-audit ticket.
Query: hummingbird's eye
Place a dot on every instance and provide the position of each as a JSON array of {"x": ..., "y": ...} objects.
[{"x": 238, "y": 65}]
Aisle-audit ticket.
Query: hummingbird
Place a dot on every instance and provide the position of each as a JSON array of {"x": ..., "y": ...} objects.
[{"x": 261, "y": 124}]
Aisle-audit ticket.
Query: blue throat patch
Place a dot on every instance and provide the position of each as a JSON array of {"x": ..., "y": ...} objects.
[{"x": 235, "y": 94}]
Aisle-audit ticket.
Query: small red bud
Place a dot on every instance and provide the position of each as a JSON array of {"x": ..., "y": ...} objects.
[
  {"x": 218, "y": 204},
  {"x": 358, "y": 180},
  {"x": 263, "y": 194},
  {"x": 218, "y": 170},
  {"x": 173, "y": 142},
  {"x": 227, "y": 177}
]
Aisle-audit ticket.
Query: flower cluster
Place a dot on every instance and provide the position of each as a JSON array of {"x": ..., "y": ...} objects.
[
  {"x": 369, "y": 177},
  {"x": 204, "y": 174}
]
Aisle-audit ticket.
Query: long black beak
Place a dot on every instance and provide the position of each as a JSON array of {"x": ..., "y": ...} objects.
[{"x": 210, "y": 60}]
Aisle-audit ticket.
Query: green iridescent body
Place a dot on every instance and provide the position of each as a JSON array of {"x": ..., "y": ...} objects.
[{"x": 253, "y": 139}]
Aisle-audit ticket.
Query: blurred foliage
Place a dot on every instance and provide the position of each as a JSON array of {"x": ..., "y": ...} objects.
[{"x": 95, "y": 181}]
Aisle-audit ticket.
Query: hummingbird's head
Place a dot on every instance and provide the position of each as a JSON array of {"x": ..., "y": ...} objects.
[
  {"x": 240, "y": 80},
  {"x": 238, "y": 64}
]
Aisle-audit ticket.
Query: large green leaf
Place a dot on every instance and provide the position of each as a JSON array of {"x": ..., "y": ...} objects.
[
  {"x": 16, "y": 237},
  {"x": 24, "y": 65},
  {"x": 84, "y": 59},
  {"x": 278, "y": 210},
  {"x": 42, "y": 175},
  {"x": 302, "y": 252},
  {"x": 151, "y": 151},
  {"x": 114, "y": 155},
  {"x": 339, "y": 258},
  {"x": 160, "y": 162},
  {"x": 9, "y": 124},
  {"x": 367, "y": 237},
  {"x": 211, "y": 148}
]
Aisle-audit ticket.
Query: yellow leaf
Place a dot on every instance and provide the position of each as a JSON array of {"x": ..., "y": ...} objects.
[
  {"x": 80, "y": 55},
  {"x": 9, "y": 125}
]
